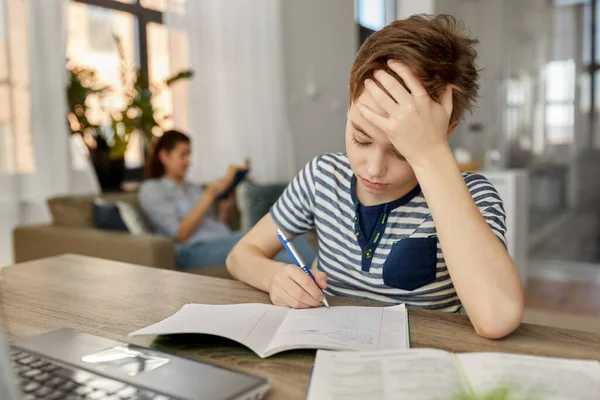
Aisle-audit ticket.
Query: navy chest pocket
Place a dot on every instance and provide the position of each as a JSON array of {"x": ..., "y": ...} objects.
[{"x": 411, "y": 263}]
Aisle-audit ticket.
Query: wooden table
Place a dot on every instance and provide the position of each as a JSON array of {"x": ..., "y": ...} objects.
[{"x": 111, "y": 299}]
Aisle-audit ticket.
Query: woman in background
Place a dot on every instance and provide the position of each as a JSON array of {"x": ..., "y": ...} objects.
[{"x": 192, "y": 216}]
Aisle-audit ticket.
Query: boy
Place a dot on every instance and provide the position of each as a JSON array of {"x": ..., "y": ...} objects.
[{"x": 396, "y": 219}]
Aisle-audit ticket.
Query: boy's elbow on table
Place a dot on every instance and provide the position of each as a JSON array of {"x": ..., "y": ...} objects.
[
  {"x": 230, "y": 260},
  {"x": 500, "y": 322}
]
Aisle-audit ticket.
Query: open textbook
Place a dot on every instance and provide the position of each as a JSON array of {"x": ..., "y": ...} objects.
[
  {"x": 426, "y": 374},
  {"x": 267, "y": 329}
]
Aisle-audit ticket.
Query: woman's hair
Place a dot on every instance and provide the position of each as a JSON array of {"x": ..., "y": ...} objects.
[{"x": 168, "y": 141}]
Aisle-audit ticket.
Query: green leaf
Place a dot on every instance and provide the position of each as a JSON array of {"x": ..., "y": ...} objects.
[
  {"x": 187, "y": 74},
  {"x": 118, "y": 148}
]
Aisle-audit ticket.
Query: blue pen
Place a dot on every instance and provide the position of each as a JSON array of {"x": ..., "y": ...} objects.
[{"x": 291, "y": 250}]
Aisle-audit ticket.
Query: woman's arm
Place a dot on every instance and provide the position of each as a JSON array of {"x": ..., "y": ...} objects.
[
  {"x": 188, "y": 225},
  {"x": 158, "y": 207},
  {"x": 224, "y": 208}
]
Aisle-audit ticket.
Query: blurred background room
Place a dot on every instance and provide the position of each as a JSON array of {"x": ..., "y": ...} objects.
[{"x": 86, "y": 85}]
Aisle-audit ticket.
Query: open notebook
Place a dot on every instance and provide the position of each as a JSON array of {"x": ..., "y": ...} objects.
[
  {"x": 267, "y": 329},
  {"x": 426, "y": 374}
]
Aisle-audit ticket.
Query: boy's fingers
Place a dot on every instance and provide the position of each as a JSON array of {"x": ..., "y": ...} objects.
[
  {"x": 299, "y": 294},
  {"x": 386, "y": 102},
  {"x": 290, "y": 300},
  {"x": 379, "y": 121},
  {"x": 412, "y": 83},
  {"x": 446, "y": 99},
  {"x": 321, "y": 279},
  {"x": 392, "y": 85},
  {"x": 307, "y": 284}
]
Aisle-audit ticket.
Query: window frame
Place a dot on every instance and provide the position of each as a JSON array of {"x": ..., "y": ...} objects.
[
  {"x": 143, "y": 16},
  {"x": 389, "y": 16}
]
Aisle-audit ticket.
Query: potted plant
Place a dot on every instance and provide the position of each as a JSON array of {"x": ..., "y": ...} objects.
[
  {"x": 108, "y": 146},
  {"x": 81, "y": 87}
]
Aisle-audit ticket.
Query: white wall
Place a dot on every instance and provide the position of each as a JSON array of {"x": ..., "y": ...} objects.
[
  {"x": 320, "y": 41},
  {"x": 406, "y": 8},
  {"x": 485, "y": 20},
  {"x": 513, "y": 39}
]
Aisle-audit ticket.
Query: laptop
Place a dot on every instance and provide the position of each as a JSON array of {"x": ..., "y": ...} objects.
[{"x": 69, "y": 365}]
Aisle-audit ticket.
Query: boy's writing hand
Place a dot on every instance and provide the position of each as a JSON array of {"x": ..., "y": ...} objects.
[
  {"x": 415, "y": 124},
  {"x": 291, "y": 287}
]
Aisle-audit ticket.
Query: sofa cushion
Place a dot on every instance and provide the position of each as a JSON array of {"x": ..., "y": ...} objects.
[
  {"x": 254, "y": 201},
  {"x": 107, "y": 216},
  {"x": 119, "y": 215},
  {"x": 77, "y": 211}
]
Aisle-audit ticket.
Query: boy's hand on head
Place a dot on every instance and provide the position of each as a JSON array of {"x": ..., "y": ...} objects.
[
  {"x": 292, "y": 287},
  {"x": 415, "y": 124}
]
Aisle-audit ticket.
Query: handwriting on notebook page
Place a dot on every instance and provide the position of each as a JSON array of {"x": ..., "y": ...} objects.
[{"x": 357, "y": 328}]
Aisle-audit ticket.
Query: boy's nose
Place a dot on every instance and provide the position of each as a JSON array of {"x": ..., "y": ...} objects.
[{"x": 375, "y": 168}]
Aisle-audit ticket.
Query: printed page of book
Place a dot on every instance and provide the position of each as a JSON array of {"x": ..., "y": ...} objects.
[
  {"x": 532, "y": 378},
  {"x": 418, "y": 374}
]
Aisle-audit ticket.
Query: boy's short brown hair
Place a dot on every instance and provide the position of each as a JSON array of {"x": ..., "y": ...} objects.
[{"x": 437, "y": 49}]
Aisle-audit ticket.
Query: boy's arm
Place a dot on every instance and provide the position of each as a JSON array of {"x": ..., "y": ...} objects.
[
  {"x": 251, "y": 261},
  {"x": 483, "y": 273}
]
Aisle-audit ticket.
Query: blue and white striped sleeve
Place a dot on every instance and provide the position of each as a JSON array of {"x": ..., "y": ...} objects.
[
  {"x": 489, "y": 203},
  {"x": 294, "y": 211}
]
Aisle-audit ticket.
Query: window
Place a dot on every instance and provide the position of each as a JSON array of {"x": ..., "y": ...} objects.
[
  {"x": 145, "y": 43},
  {"x": 514, "y": 104},
  {"x": 160, "y": 5},
  {"x": 16, "y": 149},
  {"x": 560, "y": 96},
  {"x": 590, "y": 81},
  {"x": 90, "y": 44},
  {"x": 159, "y": 68},
  {"x": 373, "y": 15}
]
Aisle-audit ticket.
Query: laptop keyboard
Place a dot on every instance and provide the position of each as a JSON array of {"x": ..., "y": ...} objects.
[{"x": 42, "y": 379}]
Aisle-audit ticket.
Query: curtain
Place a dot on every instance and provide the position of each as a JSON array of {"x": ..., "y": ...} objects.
[
  {"x": 38, "y": 158},
  {"x": 237, "y": 99}
]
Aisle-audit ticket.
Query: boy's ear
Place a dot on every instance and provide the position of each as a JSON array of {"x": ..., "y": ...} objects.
[{"x": 452, "y": 127}]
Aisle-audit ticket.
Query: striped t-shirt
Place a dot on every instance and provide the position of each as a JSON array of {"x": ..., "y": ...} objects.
[{"x": 402, "y": 261}]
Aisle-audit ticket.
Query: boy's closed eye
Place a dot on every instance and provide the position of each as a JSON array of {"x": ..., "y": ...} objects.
[
  {"x": 362, "y": 139},
  {"x": 359, "y": 143}
]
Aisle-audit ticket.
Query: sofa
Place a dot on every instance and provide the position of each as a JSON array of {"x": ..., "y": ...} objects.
[{"x": 72, "y": 230}]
